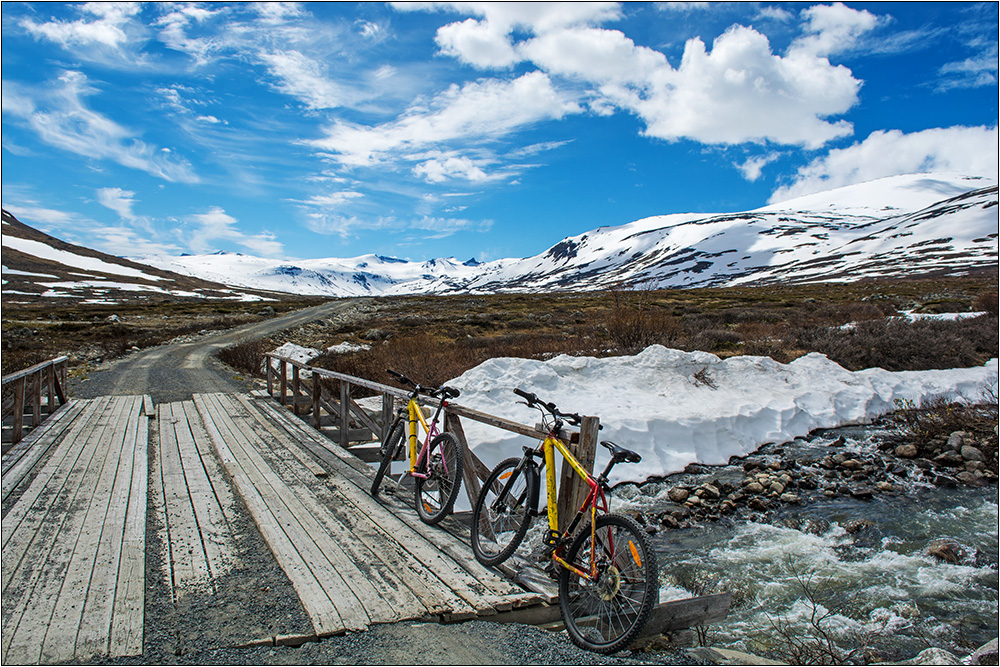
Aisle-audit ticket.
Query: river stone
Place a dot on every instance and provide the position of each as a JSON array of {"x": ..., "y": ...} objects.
[
  {"x": 956, "y": 440},
  {"x": 907, "y": 451},
  {"x": 857, "y": 525},
  {"x": 669, "y": 521},
  {"x": 885, "y": 487},
  {"x": 947, "y": 550},
  {"x": 949, "y": 459},
  {"x": 776, "y": 487},
  {"x": 694, "y": 501},
  {"x": 862, "y": 493},
  {"x": 727, "y": 506},
  {"x": 755, "y": 487},
  {"x": 970, "y": 453},
  {"x": 757, "y": 504},
  {"x": 710, "y": 491},
  {"x": 851, "y": 464},
  {"x": 970, "y": 478},
  {"x": 789, "y": 498},
  {"x": 678, "y": 494}
]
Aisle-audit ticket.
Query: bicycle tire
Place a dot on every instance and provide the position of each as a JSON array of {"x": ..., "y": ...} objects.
[
  {"x": 508, "y": 526},
  {"x": 606, "y": 615},
  {"x": 387, "y": 452},
  {"x": 435, "y": 495}
]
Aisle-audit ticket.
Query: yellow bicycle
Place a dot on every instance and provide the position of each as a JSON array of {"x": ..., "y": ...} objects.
[
  {"x": 608, "y": 575},
  {"x": 436, "y": 466}
]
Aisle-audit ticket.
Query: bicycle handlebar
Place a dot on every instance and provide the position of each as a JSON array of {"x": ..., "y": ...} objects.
[
  {"x": 533, "y": 401},
  {"x": 442, "y": 392}
]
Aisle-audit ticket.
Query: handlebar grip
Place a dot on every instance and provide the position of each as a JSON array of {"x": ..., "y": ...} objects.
[
  {"x": 450, "y": 392},
  {"x": 529, "y": 397}
]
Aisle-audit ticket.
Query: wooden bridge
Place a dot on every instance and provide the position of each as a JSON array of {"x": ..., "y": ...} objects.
[{"x": 83, "y": 489}]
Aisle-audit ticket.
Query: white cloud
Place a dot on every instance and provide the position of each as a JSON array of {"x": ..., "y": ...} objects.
[
  {"x": 441, "y": 169},
  {"x": 833, "y": 29},
  {"x": 304, "y": 79},
  {"x": 118, "y": 200},
  {"x": 105, "y": 29},
  {"x": 216, "y": 224},
  {"x": 972, "y": 72},
  {"x": 61, "y": 118},
  {"x": 753, "y": 167},
  {"x": 969, "y": 150},
  {"x": 737, "y": 92},
  {"x": 481, "y": 111}
]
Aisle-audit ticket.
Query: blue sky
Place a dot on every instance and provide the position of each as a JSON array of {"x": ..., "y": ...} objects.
[{"x": 484, "y": 130}]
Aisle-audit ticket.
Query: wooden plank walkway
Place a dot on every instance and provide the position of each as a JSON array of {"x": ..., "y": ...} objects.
[
  {"x": 353, "y": 561},
  {"x": 74, "y": 541}
]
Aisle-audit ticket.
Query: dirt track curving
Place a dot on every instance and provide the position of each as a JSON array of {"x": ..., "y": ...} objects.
[{"x": 175, "y": 371}]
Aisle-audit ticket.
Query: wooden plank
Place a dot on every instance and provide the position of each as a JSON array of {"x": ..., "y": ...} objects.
[
  {"x": 573, "y": 489},
  {"x": 189, "y": 564},
  {"x": 7, "y": 379},
  {"x": 94, "y": 632},
  {"x": 51, "y": 561},
  {"x": 470, "y": 477},
  {"x": 87, "y": 568},
  {"x": 216, "y": 533},
  {"x": 280, "y": 530},
  {"x": 304, "y": 457},
  {"x": 19, "y": 387},
  {"x": 335, "y": 571},
  {"x": 322, "y": 613},
  {"x": 128, "y": 617},
  {"x": 688, "y": 613},
  {"x": 147, "y": 406},
  {"x": 399, "y": 577}
]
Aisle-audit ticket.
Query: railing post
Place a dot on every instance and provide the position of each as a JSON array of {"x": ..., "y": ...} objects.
[
  {"x": 345, "y": 413},
  {"x": 317, "y": 399},
  {"x": 388, "y": 403},
  {"x": 270, "y": 374},
  {"x": 572, "y": 489},
  {"x": 50, "y": 376},
  {"x": 283, "y": 380},
  {"x": 36, "y": 398},
  {"x": 295, "y": 389},
  {"x": 18, "y": 409}
]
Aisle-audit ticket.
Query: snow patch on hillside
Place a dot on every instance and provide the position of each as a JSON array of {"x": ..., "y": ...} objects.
[{"x": 676, "y": 407}]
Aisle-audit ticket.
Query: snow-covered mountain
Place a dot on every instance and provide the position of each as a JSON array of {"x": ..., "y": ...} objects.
[
  {"x": 917, "y": 224},
  {"x": 38, "y": 267}
]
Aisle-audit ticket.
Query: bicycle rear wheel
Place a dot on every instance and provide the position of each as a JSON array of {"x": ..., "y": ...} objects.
[
  {"x": 606, "y": 614},
  {"x": 388, "y": 452},
  {"x": 435, "y": 494},
  {"x": 500, "y": 523}
]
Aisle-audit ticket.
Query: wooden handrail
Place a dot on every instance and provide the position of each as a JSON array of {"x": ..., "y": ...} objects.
[
  {"x": 26, "y": 388},
  {"x": 572, "y": 488}
]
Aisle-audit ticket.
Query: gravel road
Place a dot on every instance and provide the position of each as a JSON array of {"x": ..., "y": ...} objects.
[{"x": 175, "y": 371}]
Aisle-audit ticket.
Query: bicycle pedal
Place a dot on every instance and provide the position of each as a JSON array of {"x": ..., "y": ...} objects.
[{"x": 550, "y": 570}]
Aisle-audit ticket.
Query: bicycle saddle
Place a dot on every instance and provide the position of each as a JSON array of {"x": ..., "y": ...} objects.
[{"x": 619, "y": 454}]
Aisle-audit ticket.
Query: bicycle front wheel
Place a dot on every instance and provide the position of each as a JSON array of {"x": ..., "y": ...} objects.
[
  {"x": 435, "y": 494},
  {"x": 388, "y": 451},
  {"x": 500, "y": 520},
  {"x": 607, "y": 613}
]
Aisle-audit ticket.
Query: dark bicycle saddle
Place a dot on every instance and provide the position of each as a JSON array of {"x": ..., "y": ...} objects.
[{"x": 619, "y": 453}]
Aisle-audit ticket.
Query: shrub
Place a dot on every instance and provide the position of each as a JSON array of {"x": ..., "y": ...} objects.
[
  {"x": 246, "y": 356},
  {"x": 987, "y": 302},
  {"x": 634, "y": 322}
]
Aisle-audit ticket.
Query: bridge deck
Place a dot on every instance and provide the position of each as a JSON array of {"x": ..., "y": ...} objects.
[{"x": 74, "y": 539}]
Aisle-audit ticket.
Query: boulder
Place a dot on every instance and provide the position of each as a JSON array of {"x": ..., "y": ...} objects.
[
  {"x": 931, "y": 656},
  {"x": 789, "y": 498},
  {"x": 678, "y": 494},
  {"x": 755, "y": 487},
  {"x": 987, "y": 654},
  {"x": 970, "y": 453},
  {"x": 946, "y": 550},
  {"x": 949, "y": 458}
]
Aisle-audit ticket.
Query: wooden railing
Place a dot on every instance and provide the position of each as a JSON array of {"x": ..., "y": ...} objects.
[
  {"x": 325, "y": 391},
  {"x": 23, "y": 392}
]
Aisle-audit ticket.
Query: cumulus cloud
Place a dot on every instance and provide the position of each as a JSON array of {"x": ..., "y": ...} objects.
[
  {"x": 441, "y": 169},
  {"x": 60, "y": 117},
  {"x": 752, "y": 168},
  {"x": 970, "y": 150},
  {"x": 736, "y": 92}
]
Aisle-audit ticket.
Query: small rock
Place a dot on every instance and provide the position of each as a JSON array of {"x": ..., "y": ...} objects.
[
  {"x": 839, "y": 458},
  {"x": 987, "y": 654},
  {"x": 694, "y": 501},
  {"x": 266, "y": 311},
  {"x": 885, "y": 487},
  {"x": 973, "y": 466},
  {"x": 851, "y": 464},
  {"x": 112, "y": 319},
  {"x": 789, "y": 498},
  {"x": 808, "y": 482},
  {"x": 757, "y": 504},
  {"x": 727, "y": 507},
  {"x": 695, "y": 469},
  {"x": 711, "y": 491},
  {"x": 755, "y": 487},
  {"x": 857, "y": 525},
  {"x": 669, "y": 521},
  {"x": 862, "y": 493},
  {"x": 678, "y": 494},
  {"x": 946, "y": 550},
  {"x": 839, "y": 442},
  {"x": 970, "y": 478},
  {"x": 956, "y": 440},
  {"x": 970, "y": 453}
]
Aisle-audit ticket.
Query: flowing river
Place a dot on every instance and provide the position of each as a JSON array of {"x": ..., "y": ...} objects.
[{"x": 854, "y": 572}]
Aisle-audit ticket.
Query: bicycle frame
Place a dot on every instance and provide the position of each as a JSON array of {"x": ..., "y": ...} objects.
[
  {"x": 595, "y": 500},
  {"x": 415, "y": 416}
]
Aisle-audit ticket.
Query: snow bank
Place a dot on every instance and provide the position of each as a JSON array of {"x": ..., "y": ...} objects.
[
  {"x": 676, "y": 408},
  {"x": 303, "y": 355}
]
